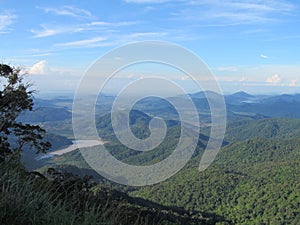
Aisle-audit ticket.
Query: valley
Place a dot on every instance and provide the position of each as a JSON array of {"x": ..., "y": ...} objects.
[{"x": 254, "y": 179}]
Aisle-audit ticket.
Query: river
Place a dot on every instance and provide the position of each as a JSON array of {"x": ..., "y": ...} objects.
[{"x": 76, "y": 144}]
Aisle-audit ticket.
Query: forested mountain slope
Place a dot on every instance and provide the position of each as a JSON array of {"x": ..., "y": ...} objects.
[{"x": 251, "y": 182}]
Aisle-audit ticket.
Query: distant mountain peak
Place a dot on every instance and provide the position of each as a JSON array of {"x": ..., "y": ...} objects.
[
  {"x": 242, "y": 94},
  {"x": 204, "y": 94}
]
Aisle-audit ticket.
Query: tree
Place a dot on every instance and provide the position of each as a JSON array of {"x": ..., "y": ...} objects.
[{"x": 15, "y": 98}]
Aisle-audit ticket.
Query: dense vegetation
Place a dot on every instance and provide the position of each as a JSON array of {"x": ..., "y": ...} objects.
[
  {"x": 278, "y": 128},
  {"x": 254, "y": 180},
  {"x": 15, "y": 98},
  {"x": 59, "y": 197},
  {"x": 31, "y": 198}
]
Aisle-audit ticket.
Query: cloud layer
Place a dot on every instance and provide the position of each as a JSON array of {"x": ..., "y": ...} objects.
[
  {"x": 6, "y": 19},
  {"x": 38, "y": 68},
  {"x": 274, "y": 79},
  {"x": 68, "y": 10}
]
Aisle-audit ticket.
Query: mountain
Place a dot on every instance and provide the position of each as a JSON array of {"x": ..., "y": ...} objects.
[
  {"x": 275, "y": 128},
  {"x": 242, "y": 94},
  {"x": 138, "y": 121},
  {"x": 251, "y": 182},
  {"x": 45, "y": 114},
  {"x": 278, "y": 108},
  {"x": 204, "y": 94},
  {"x": 157, "y": 107},
  {"x": 139, "y": 124},
  {"x": 292, "y": 98},
  {"x": 65, "y": 197},
  {"x": 240, "y": 106},
  {"x": 29, "y": 156},
  {"x": 57, "y": 102},
  {"x": 254, "y": 179},
  {"x": 240, "y": 97}
]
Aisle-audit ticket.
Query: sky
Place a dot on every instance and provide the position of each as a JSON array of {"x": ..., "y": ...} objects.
[{"x": 250, "y": 45}]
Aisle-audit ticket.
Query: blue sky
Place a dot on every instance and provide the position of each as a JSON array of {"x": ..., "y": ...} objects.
[{"x": 250, "y": 45}]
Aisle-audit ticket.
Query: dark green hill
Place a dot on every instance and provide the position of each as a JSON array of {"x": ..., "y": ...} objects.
[
  {"x": 136, "y": 119},
  {"x": 62, "y": 198},
  {"x": 139, "y": 124},
  {"x": 254, "y": 180},
  {"x": 265, "y": 128},
  {"x": 28, "y": 156},
  {"x": 251, "y": 182}
]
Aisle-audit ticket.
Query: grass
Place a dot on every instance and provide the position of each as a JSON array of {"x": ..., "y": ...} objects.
[
  {"x": 23, "y": 200},
  {"x": 29, "y": 198},
  {"x": 26, "y": 199}
]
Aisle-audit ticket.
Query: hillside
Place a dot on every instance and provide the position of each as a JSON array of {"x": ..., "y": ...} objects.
[
  {"x": 62, "y": 198},
  {"x": 251, "y": 182},
  {"x": 139, "y": 126},
  {"x": 254, "y": 179},
  {"x": 265, "y": 128},
  {"x": 29, "y": 156},
  {"x": 45, "y": 114}
]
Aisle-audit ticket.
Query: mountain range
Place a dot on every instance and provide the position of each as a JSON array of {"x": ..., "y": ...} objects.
[{"x": 254, "y": 179}]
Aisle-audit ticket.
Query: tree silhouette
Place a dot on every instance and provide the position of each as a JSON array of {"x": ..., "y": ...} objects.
[{"x": 15, "y": 98}]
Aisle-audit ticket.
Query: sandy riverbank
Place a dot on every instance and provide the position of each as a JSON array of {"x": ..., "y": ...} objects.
[{"x": 78, "y": 144}]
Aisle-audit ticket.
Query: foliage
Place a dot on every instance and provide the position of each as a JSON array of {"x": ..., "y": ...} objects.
[
  {"x": 15, "y": 97},
  {"x": 252, "y": 182},
  {"x": 254, "y": 179},
  {"x": 279, "y": 128},
  {"x": 26, "y": 199},
  {"x": 29, "y": 156},
  {"x": 31, "y": 198}
]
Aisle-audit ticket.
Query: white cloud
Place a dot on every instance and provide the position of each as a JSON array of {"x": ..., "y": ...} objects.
[
  {"x": 48, "y": 30},
  {"x": 84, "y": 43},
  {"x": 38, "y": 68},
  {"x": 116, "y": 24},
  {"x": 111, "y": 40},
  {"x": 148, "y": 34},
  {"x": 294, "y": 83},
  {"x": 6, "y": 19},
  {"x": 280, "y": 75},
  {"x": 232, "y": 12},
  {"x": 246, "y": 5},
  {"x": 69, "y": 11},
  {"x": 264, "y": 56},
  {"x": 274, "y": 79},
  {"x": 45, "y": 32}
]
